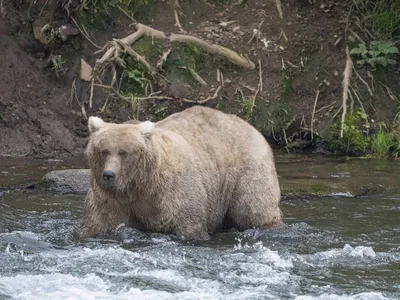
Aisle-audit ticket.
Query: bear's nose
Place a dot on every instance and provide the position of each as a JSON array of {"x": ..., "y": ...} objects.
[{"x": 108, "y": 175}]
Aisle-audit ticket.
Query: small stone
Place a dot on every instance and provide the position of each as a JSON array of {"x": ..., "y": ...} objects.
[
  {"x": 66, "y": 31},
  {"x": 236, "y": 28},
  {"x": 86, "y": 70},
  {"x": 39, "y": 31}
]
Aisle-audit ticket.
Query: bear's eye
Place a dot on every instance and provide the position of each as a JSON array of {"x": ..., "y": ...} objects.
[
  {"x": 122, "y": 153},
  {"x": 105, "y": 152}
]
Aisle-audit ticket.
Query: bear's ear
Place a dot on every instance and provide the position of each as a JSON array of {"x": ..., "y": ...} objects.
[
  {"x": 147, "y": 128},
  {"x": 94, "y": 124}
]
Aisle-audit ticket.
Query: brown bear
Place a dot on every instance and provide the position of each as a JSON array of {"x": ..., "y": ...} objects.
[{"x": 192, "y": 174}]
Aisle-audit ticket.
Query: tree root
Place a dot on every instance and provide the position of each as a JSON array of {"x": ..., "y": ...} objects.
[
  {"x": 143, "y": 30},
  {"x": 346, "y": 84},
  {"x": 204, "y": 100},
  {"x": 117, "y": 47}
]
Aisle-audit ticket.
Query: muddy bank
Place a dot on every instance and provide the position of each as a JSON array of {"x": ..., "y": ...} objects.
[{"x": 44, "y": 104}]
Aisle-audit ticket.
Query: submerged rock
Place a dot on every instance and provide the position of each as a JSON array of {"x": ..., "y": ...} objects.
[{"x": 72, "y": 181}]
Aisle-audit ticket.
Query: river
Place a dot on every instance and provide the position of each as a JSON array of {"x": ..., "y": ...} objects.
[{"x": 341, "y": 241}]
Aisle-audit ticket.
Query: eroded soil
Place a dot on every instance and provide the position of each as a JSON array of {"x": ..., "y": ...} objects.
[{"x": 41, "y": 115}]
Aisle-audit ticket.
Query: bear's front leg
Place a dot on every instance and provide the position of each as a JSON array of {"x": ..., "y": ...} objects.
[
  {"x": 102, "y": 215},
  {"x": 193, "y": 231}
]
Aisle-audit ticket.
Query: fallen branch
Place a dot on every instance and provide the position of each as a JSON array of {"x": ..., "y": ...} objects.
[
  {"x": 346, "y": 83},
  {"x": 205, "y": 100}
]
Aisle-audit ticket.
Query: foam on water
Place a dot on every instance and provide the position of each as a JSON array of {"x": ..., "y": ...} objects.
[
  {"x": 170, "y": 271},
  {"x": 360, "y": 296}
]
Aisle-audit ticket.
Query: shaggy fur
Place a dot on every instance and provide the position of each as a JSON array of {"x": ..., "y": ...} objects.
[{"x": 191, "y": 174}]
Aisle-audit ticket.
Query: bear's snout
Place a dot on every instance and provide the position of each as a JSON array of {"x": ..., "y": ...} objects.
[{"x": 108, "y": 176}]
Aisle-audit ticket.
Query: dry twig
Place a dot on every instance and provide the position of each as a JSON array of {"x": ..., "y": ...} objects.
[
  {"x": 195, "y": 75},
  {"x": 313, "y": 113},
  {"x": 205, "y": 100},
  {"x": 364, "y": 82},
  {"x": 279, "y": 7},
  {"x": 84, "y": 34}
]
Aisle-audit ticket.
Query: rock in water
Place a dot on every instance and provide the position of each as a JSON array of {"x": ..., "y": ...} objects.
[{"x": 72, "y": 181}]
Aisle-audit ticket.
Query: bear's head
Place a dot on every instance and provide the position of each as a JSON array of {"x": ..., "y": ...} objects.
[{"x": 120, "y": 155}]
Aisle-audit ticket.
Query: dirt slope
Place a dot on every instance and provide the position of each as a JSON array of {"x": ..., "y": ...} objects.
[{"x": 39, "y": 117}]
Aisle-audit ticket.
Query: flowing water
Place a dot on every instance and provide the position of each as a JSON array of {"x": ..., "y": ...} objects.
[{"x": 338, "y": 245}]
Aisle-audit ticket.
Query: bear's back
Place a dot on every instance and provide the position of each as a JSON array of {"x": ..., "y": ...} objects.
[{"x": 226, "y": 133}]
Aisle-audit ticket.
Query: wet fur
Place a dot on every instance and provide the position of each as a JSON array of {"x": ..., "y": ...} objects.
[{"x": 189, "y": 175}]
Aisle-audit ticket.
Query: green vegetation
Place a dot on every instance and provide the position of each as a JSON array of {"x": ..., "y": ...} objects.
[
  {"x": 384, "y": 143},
  {"x": 379, "y": 53},
  {"x": 381, "y": 18},
  {"x": 58, "y": 65},
  {"x": 162, "y": 111},
  {"x": 95, "y": 12},
  {"x": 246, "y": 108},
  {"x": 354, "y": 137}
]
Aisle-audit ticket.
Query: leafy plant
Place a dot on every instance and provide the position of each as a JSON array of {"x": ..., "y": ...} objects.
[
  {"x": 382, "y": 142},
  {"x": 354, "y": 138},
  {"x": 58, "y": 65},
  {"x": 247, "y": 107},
  {"x": 379, "y": 53}
]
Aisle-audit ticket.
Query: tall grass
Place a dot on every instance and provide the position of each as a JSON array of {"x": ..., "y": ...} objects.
[{"x": 379, "y": 18}]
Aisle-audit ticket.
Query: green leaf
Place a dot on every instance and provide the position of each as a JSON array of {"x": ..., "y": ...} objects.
[
  {"x": 361, "y": 62},
  {"x": 392, "y": 61},
  {"x": 355, "y": 51},
  {"x": 393, "y": 50},
  {"x": 382, "y": 60},
  {"x": 372, "y": 62}
]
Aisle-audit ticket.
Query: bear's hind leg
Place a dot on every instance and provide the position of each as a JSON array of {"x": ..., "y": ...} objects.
[{"x": 256, "y": 202}]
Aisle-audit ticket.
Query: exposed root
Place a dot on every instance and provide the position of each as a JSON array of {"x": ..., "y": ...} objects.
[
  {"x": 143, "y": 30},
  {"x": 205, "y": 100},
  {"x": 346, "y": 84},
  {"x": 259, "y": 86},
  {"x": 125, "y": 13},
  {"x": 133, "y": 53},
  {"x": 115, "y": 48},
  {"x": 279, "y": 8},
  {"x": 91, "y": 93},
  {"x": 196, "y": 76},
  {"x": 248, "y": 87},
  {"x": 177, "y": 22},
  {"x": 256, "y": 32},
  {"x": 84, "y": 34},
  {"x": 364, "y": 82},
  {"x": 313, "y": 114},
  {"x": 3, "y": 13},
  {"x": 214, "y": 49},
  {"x": 163, "y": 59}
]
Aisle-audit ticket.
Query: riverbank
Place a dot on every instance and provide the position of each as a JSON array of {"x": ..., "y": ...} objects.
[{"x": 293, "y": 94}]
